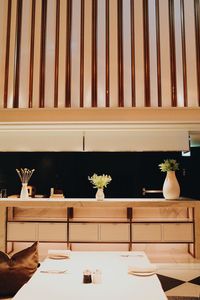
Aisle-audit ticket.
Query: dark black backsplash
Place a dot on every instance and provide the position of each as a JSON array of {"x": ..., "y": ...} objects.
[{"x": 69, "y": 171}]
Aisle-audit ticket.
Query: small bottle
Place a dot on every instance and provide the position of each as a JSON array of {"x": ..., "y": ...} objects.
[
  {"x": 97, "y": 278},
  {"x": 87, "y": 276}
]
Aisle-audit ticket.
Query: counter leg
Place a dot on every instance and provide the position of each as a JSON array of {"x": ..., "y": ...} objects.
[
  {"x": 3, "y": 229},
  {"x": 197, "y": 231}
]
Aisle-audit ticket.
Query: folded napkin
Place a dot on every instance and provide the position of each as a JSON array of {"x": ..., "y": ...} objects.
[
  {"x": 53, "y": 267},
  {"x": 142, "y": 269},
  {"x": 58, "y": 254}
]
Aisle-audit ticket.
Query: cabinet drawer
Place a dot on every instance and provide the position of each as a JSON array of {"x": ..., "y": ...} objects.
[
  {"x": 178, "y": 232},
  {"x": 52, "y": 232},
  {"x": 146, "y": 232},
  {"x": 114, "y": 232},
  {"x": 22, "y": 231},
  {"x": 83, "y": 232}
]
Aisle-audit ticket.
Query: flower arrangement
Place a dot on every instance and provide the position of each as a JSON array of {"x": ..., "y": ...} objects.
[
  {"x": 100, "y": 181},
  {"x": 169, "y": 165},
  {"x": 25, "y": 174}
]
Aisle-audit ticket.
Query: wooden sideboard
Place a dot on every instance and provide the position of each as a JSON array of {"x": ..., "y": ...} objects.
[{"x": 128, "y": 229}]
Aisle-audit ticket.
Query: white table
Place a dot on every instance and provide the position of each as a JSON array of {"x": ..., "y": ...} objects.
[{"x": 116, "y": 282}]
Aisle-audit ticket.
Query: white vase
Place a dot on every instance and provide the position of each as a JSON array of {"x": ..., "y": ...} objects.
[
  {"x": 24, "y": 191},
  {"x": 100, "y": 195},
  {"x": 171, "y": 188}
]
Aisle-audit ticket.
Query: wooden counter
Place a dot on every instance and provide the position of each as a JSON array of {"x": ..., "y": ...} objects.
[
  {"x": 79, "y": 203},
  {"x": 89, "y": 202}
]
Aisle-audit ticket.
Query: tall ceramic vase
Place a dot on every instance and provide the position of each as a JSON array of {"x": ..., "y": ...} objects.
[
  {"x": 171, "y": 188},
  {"x": 24, "y": 191},
  {"x": 100, "y": 195}
]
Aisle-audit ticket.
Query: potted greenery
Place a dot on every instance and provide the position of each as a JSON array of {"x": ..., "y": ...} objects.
[
  {"x": 171, "y": 188},
  {"x": 100, "y": 182}
]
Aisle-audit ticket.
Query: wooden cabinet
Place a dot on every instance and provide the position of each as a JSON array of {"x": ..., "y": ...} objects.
[
  {"x": 146, "y": 232},
  {"x": 21, "y": 231},
  {"x": 114, "y": 232},
  {"x": 177, "y": 232},
  {"x": 118, "y": 226},
  {"x": 52, "y": 232},
  {"x": 83, "y": 232}
]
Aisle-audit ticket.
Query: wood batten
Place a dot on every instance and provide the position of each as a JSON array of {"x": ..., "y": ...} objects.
[
  {"x": 7, "y": 53},
  {"x": 107, "y": 55},
  {"x": 57, "y": 40},
  {"x": 172, "y": 54},
  {"x": 17, "y": 54},
  {"x": 100, "y": 53},
  {"x": 146, "y": 53},
  {"x": 43, "y": 53},
  {"x": 82, "y": 53},
  {"x": 132, "y": 53},
  {"x": 68, "y": 55},
  {"x": 32, "y": 45},
  {"x": 184, "y": 62},
  {"x": 120, "y": 54},
  {"x": 94, "y": 53},
  {"x": 158, "y": 53},
  {"x": 197, "y": 34}
]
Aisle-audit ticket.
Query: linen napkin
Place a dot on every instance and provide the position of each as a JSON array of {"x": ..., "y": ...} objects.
[{"x": 53, "y": 267}]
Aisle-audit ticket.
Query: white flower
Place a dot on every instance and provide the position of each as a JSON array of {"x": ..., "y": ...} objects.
[{"x": 100, "y": 181}]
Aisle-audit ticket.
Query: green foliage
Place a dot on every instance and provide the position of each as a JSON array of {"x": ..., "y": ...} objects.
[
  {"x": 100, "y": 181},
  {"x": 169, "y": 165}
]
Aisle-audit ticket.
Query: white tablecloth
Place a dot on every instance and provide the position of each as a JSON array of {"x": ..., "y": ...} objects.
[{"x": 116, "y": 284}]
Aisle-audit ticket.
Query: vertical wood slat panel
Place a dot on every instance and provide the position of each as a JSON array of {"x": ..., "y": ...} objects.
[
  {"x": 32, "y": 46},
  {"x": 3, "y": 23},
  {"x": 75, "y": 54},
  {"x": 17, "y": 54},
  {"x": 153, "y": 55},
  {"x": 50, "y": 54},
  {"x": 94, "y": 53},
  {"x": 132, "y": 11},
  {"x": 191, "y": 53},
  {"x": 172, "y": 54},
  {"x": 178, "y": 52},
  {"x": 7, "y": 53},
  {"x": 101, "y": 53},
  {"x": 184, "y": 62},
  {"x": 82, "y": 52},
  {"x": 135, "y": 76},
  {"x": 139, "y": 53},
  {"x": 127, "y": 54},
  {"x": 146, "y": 53},
  {"x": 43, "y": 53},
  {"x": 120, "y": 54},
  {"x": 107, "y": 55},
  {"x": 68, "y": 54},
  {"x": 25, "y": 55},
  {"x": 158, "y": 54},
  {"x": 197, "y": 34},
  {"x": 87, "y": 53},
  {"x": 57, "y": 40}
]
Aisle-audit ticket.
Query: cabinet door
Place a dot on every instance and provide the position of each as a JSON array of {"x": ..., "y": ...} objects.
[
  {"x": 146, "y": 232},
  {"x": 177, "y": 232},
  {"x": 114, "y": 232},
  {"x": 21, "y": 231},
  {"x": 83, "y": 232},
  {"x": 52, "y": 232}
]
